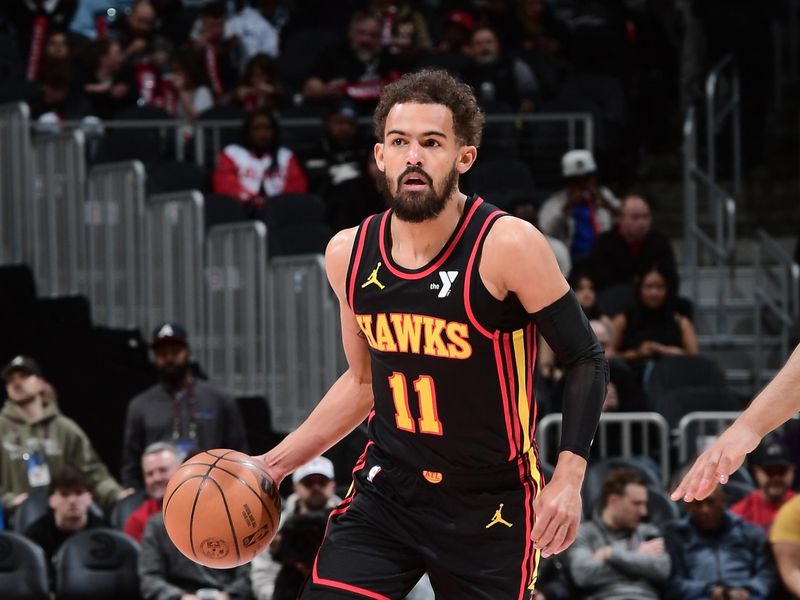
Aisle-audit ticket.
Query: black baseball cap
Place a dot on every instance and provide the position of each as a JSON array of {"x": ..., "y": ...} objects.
[
  {"x": 21, "y": 363},
  {"x": 772, "y": 453},
  {"x": 169, "y": 333}
]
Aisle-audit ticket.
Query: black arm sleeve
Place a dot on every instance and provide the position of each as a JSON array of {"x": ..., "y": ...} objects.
[{"x": 566, "y": 329}]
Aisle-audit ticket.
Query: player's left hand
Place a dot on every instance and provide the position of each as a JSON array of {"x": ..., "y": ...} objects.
[{"x": 558, "y": 514}]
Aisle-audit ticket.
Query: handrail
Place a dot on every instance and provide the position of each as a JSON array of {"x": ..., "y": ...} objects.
[
  {"x": 787, "y": 306},
  {"x": 715, "y": 117}
]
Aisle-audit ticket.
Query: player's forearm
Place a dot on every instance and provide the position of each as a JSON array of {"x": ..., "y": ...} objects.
[
  {"x": 570, "y": 467},
  {"x": 343, "y": 408},
  {"x": 777, "y": 402}
]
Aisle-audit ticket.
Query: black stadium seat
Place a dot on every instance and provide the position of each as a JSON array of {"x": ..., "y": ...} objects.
[
  {"x": 36, "y": 506},
  {"x": 141, "y": 143},
  {"x": 660, "y": 509},
  {"x": 500, "y": 180},
  {"x": 23, "y": 569},
  {"x": 674, "y": 404},
  {"x": 97, "y": 564},
  {"x": 125, "y": 507},
  {"x": 221, "y": 209},
  {"x": 673, "y": 372},
  {"x": 173, "y": 176}
]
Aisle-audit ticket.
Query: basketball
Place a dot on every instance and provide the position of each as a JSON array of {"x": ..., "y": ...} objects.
[{"x": 221, "y": 508}]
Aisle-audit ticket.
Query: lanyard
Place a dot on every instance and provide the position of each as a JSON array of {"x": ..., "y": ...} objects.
[{"x": 191, "y": 410}]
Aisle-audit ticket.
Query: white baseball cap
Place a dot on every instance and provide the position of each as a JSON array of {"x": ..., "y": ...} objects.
[
  {"x": 576, "y": 163},
  {"x": 316, "y": 466}
]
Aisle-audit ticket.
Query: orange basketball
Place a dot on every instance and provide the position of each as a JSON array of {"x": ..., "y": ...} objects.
[{"x": 221, "y": 508}]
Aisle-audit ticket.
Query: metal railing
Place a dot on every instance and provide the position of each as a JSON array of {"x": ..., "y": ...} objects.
[
  {"x": 56, "y": 214},
  {"x": 776, "y": 289},
  {"x": 114, "y": 216},
  {"x": 638, "y": 433},
  {"x": 306, "y": 339},
  {"x": 175, "y": 254},
  {"x": 16, "y": 183},
  {"x": 237, "y": 280},
  {"x": 718, "y": 109}
]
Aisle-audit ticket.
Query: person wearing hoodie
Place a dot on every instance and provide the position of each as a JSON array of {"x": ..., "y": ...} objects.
[
  {"x": 37, "y": 441},
  {"x": 717, "y": 555}
]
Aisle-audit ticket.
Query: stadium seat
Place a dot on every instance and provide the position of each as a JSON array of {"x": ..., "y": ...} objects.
[
  {"x": 498, "y": 180},
  {"x": 736, "y": 490},
  {"x": 598, "y": 471},
  {"x": 673, "y": 372},
  {"x": 125, "y": 507},
  {"x": 660, "y": 509},
  {"x": 221, "y": 209},
  {"x": 23, "y": 569},
  {"x": 36, "y": 506},
  {"x": 299, "y": 138},
  {"x": 676, "y": 403},
  {"x": 173, "y": 176},
  {"x": 97, "y": 564},
  {"x": 616, "y": 299},
  {"x": 296, "y": 224},
  {"x": 142, "y": 143}
]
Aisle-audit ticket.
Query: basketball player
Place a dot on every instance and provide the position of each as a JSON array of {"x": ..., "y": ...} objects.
[
  {"x": 775, "y": 405},
  {"x": 441, "y": 299}
]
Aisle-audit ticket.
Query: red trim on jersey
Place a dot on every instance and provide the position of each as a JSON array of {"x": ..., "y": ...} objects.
[
  {"x": 441, "y": 259},
  {"x": 513, "y": 389},
  {"x": 362, "y": 236},
  {"x": 527, "y": 566},
  {"x": 470, "y": 263},
  {"x": 512, "y": 450}
]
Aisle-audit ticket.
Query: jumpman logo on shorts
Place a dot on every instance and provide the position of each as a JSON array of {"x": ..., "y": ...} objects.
[
  {"x": 498, "y": 518},
  {"x": 373, "y": 278}
]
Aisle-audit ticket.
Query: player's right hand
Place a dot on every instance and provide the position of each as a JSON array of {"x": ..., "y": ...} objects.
[
  {"x": 716, "y": 464},
  {"x": 558, "y": 510}
]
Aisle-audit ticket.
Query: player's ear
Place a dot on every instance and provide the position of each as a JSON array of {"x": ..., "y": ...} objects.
[
  {"x": 466, "y": 158},
  {"x": 378, "y": 151}
]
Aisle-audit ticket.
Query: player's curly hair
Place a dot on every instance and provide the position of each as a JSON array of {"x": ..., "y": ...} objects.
[{"x": 434, "y": 86}]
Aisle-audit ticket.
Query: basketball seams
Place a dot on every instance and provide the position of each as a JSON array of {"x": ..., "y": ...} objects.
[
  {"x": 249, "y": 487},
  {"x": 230, "y": 519}
]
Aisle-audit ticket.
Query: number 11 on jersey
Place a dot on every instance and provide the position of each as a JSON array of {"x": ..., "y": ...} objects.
[{"x": 428, "y": 413}]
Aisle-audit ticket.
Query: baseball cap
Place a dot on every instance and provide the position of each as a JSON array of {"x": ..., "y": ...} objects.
[
  {"x": 772, "y": 453},
  {"x": 576, "y": 163},
  {"x": 344, "y": 108},
  {"x": 21, "y": 363},
  {"x": 318, "y": 466},
  {"x": 169, "y": 333},
  {"x": 462, "y": 18}
]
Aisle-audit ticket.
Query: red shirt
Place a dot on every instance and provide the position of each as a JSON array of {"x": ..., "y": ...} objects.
[
  {"x": 754, "y": 508},
  {"x": 134, "y": 526}
]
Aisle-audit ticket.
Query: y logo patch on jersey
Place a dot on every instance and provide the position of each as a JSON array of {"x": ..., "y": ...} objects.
[
  {"x": 448, "y": 279},
  {"x": 373, "y": 278},
  {"x": 498, "y": 518},
  {"x": 373, "y": 473}
]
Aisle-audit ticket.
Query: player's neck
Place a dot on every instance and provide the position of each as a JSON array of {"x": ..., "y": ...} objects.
[{"x": 415, "y": 244}]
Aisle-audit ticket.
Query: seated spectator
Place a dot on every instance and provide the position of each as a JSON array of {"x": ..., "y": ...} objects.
[
  {"x": 498, "y": 78},
  {"x": 259, "y": 167},
  {"x": 255, "y": 33},
  {"x": 578, "y": 214},
  {"x": 524, "y": 208},
  {"x": 616, "y": 556},
  {"x": 392, "y": 12},
  {"x": 774, "y": 472},
  {"x": 165, "y": 573},
  {"x": 356, "y": 70},
  {"x": 32, "y": 22},
  {"x": 653, "y": 328},
  {"x": 69, "y": 513},
  {"x": 160, "y": 460},
  {"x": 144, "y": 50},
  {"x": 717, "y": 555},
  {"x": 189, "y": 90},
  {"x": 785, "y": 539},
  {"x": 57, "y": 47},
  {"x": 57, "y": 96},
  {"x": 620, "y": 254},
  {"x": 314, "y": 486},
  {"x": 109, "y": 85},
  {"x": 217, "y": 53},
  {"x": 192, "y": 414},
  {"x": 452, "y": 53},
  {"x": 37, "y": 440},
  {"x": 259, "y": 87},
  {"x": 541, "y": 30}
]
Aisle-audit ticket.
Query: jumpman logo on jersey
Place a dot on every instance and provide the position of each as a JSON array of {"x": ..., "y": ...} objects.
[
  {"x": 498, "y": 518},
  {"x": 373, "y": 278}
]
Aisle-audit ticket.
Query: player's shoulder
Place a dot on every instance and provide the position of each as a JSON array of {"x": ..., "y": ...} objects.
[
  {"x": 511, "y": 235},
  {"x": 341, "y": 246}
]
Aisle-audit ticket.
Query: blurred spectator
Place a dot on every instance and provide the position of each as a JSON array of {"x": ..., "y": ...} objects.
[
  {"x": 582, "y": 284},
  {"x": 652, "y": 328},
  {"x": 616, "y": 556},
  {"x": 69, "y": 513},
  {"x": 785, "y": 539},
  {"x": 57, "y": 47},
  {"x": 57, "y": 96},
  {"x": 337, "y": 169},
  {"x": 540, "y": 29},
  {"x": 216, "y": 53},
  {"x": 358, "y": 69},
  {"x": 524, "y": 208},
  {"x": 499, "y": 78},
  {"x": 578, "y": 214},
  {"x": 139, "y": 40},
  {"x": 166, "y": 574},
  {"x": 452, "y": 53},
  {"x": 191, "y": 413},
  {"x": 259, "y": 167},
  {"x": 255, "y": 32},
  {"x": 188, "y": 86},
  {"x": 38, "y": 440},
  {"x": 108, "y": 85},
  {"x": 774, "y": 472},
  {"x": 160, "y": 460},
  {"x": 33, "y": 20},
  {"x": 620, "y": 254},
  {"x": 280, "y": 572},
  {"x": 402, "y": 26},
  {"x": 259, "y": 86},
  {"x": 717, "y": 555},
  {"x": 94, "y": 17}
]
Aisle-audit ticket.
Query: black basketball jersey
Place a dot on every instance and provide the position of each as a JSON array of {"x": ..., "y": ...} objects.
[{"x": 452, "y": 366}]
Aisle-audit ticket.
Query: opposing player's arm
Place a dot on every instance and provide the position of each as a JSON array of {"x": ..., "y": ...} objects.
[
  {"x": 349, "y": 400},
  {"x": 517, "y": 259}
]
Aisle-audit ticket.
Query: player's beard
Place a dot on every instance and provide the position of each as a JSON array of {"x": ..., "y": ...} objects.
[{"x": 416, "y": 207}]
